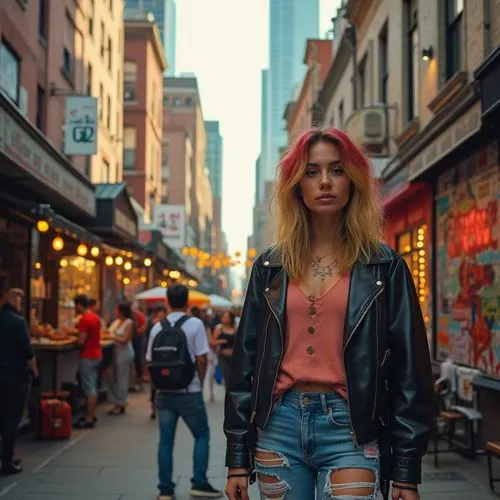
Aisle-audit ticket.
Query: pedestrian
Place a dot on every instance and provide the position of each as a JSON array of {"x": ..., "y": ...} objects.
[
  {"x": 330, "y": 388},
  {"x": 186, "y": 403},
  {"x": 17, "y": 364},
  {"x": 89, "y": 326},
  {"x": 158, "y": 313},
  {"x": 223, "y": 338},
  {"x": 211, "y": 356},
  {"x": 123, "y": 354},
  {"x": 138, "y": 346}
]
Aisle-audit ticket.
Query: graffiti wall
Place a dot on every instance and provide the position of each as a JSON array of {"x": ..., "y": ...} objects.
[{"x": 468, "y": 266}]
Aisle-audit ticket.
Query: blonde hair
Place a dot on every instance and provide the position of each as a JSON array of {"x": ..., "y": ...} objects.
[{"x": 360, "y": 233}]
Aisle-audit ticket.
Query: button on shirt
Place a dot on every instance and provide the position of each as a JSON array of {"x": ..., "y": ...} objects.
[{"x": 197, "y": 341}]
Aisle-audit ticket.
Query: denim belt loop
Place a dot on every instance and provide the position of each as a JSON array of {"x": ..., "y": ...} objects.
[{"x": 324, "y": 405}]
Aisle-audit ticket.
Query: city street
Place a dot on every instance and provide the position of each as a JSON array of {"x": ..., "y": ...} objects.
[{"x": 117, "y": 461}]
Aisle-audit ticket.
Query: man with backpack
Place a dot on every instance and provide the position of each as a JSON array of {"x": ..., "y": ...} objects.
[{"x": 177, "y": 359}]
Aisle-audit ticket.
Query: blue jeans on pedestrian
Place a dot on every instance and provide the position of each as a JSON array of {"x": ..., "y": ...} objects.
[
  {"x": 307, "y": 439},
  {"x": 191, "y": 408}
]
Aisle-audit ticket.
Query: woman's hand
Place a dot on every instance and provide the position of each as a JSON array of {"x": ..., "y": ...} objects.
[
  {"x": 398, "y": 493},
  {"x": 237, "y": 487}
]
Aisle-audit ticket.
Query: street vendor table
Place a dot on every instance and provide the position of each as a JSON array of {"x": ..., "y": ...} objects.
[{"x": 55, "y": 349}]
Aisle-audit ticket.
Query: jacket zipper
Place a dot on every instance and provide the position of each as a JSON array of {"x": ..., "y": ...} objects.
[
  {"x": 377, "y": 293},
  {"x": 387, "y": 354},
  {"x": 279, "y": 362},
  {"x": 254, "y": 412},
  {"x": 376, "y": 365}
]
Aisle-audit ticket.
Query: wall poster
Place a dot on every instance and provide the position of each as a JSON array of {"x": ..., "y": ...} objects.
[{"x": 468, "y": 266}]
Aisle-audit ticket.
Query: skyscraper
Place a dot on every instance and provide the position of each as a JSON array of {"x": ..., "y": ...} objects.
[
  {"x": 164, "y": 12},
  {"x": 213, "y": 157},
  {"x": 291, "y": 23}
]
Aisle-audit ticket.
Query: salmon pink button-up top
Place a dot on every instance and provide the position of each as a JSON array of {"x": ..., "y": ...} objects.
[{"x": 314, "y": 338}]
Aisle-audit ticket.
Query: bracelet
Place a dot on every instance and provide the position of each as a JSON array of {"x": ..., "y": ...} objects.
[
  {"x": 229, "y": 476},
  {"x": 407, "y": 488}
]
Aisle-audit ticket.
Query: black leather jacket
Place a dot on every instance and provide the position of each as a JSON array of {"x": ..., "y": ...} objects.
[{"x": 386, "y": 357}]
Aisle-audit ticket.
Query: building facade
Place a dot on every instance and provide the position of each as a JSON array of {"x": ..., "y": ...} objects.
[
  {"x": 415, "y": 82},
  {"x": 183, "y": 114},
  {"x": 214, "y": 157},
  {"x": 143, "y": 116},
  {"x": 299, "y": 113},
  {"x": 164, "y": 12}
]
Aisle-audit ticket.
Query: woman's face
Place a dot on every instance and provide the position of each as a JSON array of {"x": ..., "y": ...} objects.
[
  {"x": 226, "y": 318},
  {"x": 325, "y": 187},
  {"x": 117, "y": 313}
]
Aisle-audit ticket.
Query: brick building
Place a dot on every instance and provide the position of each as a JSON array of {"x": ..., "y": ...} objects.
[{"x": 145, "y": 63}]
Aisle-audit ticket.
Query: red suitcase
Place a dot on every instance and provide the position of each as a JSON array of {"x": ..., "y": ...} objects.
[{"x": 55, "y": 419}]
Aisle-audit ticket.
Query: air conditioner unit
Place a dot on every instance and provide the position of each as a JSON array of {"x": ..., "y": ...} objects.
[{"x": 367, "y": 126}]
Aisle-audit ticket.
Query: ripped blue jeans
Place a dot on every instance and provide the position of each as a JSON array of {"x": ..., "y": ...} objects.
[{"x": 307, "y": 452}]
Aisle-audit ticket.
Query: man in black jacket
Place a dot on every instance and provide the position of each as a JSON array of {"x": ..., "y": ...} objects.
[{"x": 17, "y": 362}]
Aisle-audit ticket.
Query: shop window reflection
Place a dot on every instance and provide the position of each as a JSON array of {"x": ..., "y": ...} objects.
[
  {"x": 77, "y": 275},
  {"x": 412, "y": 245}
]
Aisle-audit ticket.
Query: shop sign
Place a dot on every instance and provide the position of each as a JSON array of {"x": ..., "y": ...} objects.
[
  {"x": 171, "y": 222},
  {"x": 17, "y": 145},
  {"x": 80, "y": 126},
  {"x": 463, "y": 128},
  {"x": 125, "y": 223}
]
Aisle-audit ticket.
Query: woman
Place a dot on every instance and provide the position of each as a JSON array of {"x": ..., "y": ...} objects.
[
  {"x": 330, "y": 386},
  {"x": 211, "y": 357},
  {"x": 223, "y": 338},
  {"x": 121, "y": 332}
]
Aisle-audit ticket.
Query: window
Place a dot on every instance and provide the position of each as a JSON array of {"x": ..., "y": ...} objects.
[
  {"x": 42, "y": 19},
  {"x": 413, "y": 59},
  {"x": 40, "y": 107},
  {"x": 454, "y": 11},
  {"x": 362, "y": 81},
  {"x": 153, "y": 100},
  {"x": 108, "y": 113},
  {"x": 103, "y": 38},
  {"x": 189, "y": 101},
  {"x": 129, "y": 147},
  {"x": 106, "y": 172},
  {"x": 341, "y": 115},
  {"x": 91, "y": 18},
  {"x": 10, "y": 68},
  {"x": 110, "y": 54},
  {"x": 69, "y": 41},
  {"x": 88, "y": 166},
  {"x": 412, "y": 246},
  {"x": 383, "y": 50},
  {"x": 101, "y": 102},
  {"x": 166, "y": 99},
  {"x": 129, "y": 81},
  {"x": 89, "y": 79},
  {"x": 177, "y": 101}
]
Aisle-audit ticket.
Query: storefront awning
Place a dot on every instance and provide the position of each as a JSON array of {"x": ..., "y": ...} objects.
[
  {"x": 116, "y": 220},
  {"x": 30, "y": 161}
]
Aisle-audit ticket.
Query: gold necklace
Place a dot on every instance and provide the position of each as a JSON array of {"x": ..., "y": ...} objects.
[
  {"x": 323, "y": 271},
  {"x": 319, "y": 259}
]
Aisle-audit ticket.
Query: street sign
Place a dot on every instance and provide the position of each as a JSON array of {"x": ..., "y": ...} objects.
[
  {"x": 80, "y": 126},
  {"x": 171, "y": 222}
]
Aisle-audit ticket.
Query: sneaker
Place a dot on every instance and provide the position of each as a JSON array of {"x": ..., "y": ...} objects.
[
  {"x": 166, "y": 495},
  {"x": 205, "y": 491}
]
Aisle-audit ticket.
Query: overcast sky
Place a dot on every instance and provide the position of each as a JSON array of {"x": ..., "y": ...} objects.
[{"x": 225, "y": 43}]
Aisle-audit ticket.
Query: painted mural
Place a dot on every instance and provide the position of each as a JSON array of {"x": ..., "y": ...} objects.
[{"x": 468, "y": 267}]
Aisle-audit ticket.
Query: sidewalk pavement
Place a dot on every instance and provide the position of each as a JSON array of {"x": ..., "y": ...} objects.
[{"x": 117, "y": 461}]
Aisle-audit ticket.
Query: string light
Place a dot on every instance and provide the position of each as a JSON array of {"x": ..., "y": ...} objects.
[
  {"x": 119, "y": 260},
  {"x": 42, "y": 226},
  {"x": 127, "y": 266},
  {"x": 94, "y": 251},
  {"x": 57, "y": 243},
  {"x": 109, "y": 260},
  {"x": 148, "y": 262}
]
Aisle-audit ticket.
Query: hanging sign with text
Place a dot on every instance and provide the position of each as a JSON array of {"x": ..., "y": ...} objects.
[{"x": 80, "y": 126}]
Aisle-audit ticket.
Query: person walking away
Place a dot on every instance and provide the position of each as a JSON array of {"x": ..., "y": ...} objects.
[
  {"x": 159, "y": 313},
  {"x": 123, "y": 354},
  {"x": 330, "y": 390},
  {"x": 186, "y": 403},
  {"x": 89, "y": 327},
  {"x": 223, "y": 337},
  {"x": 138, "y": 346},
  {"x": 17, "y": 363},
  {"x": 211, "y": 356}
]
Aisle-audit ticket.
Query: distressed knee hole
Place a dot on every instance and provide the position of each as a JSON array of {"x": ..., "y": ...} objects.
[
  {"x": 352, "y": 483},
  {"x": 271, "y": 488},
  {"x": 270, "y": 459}
]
